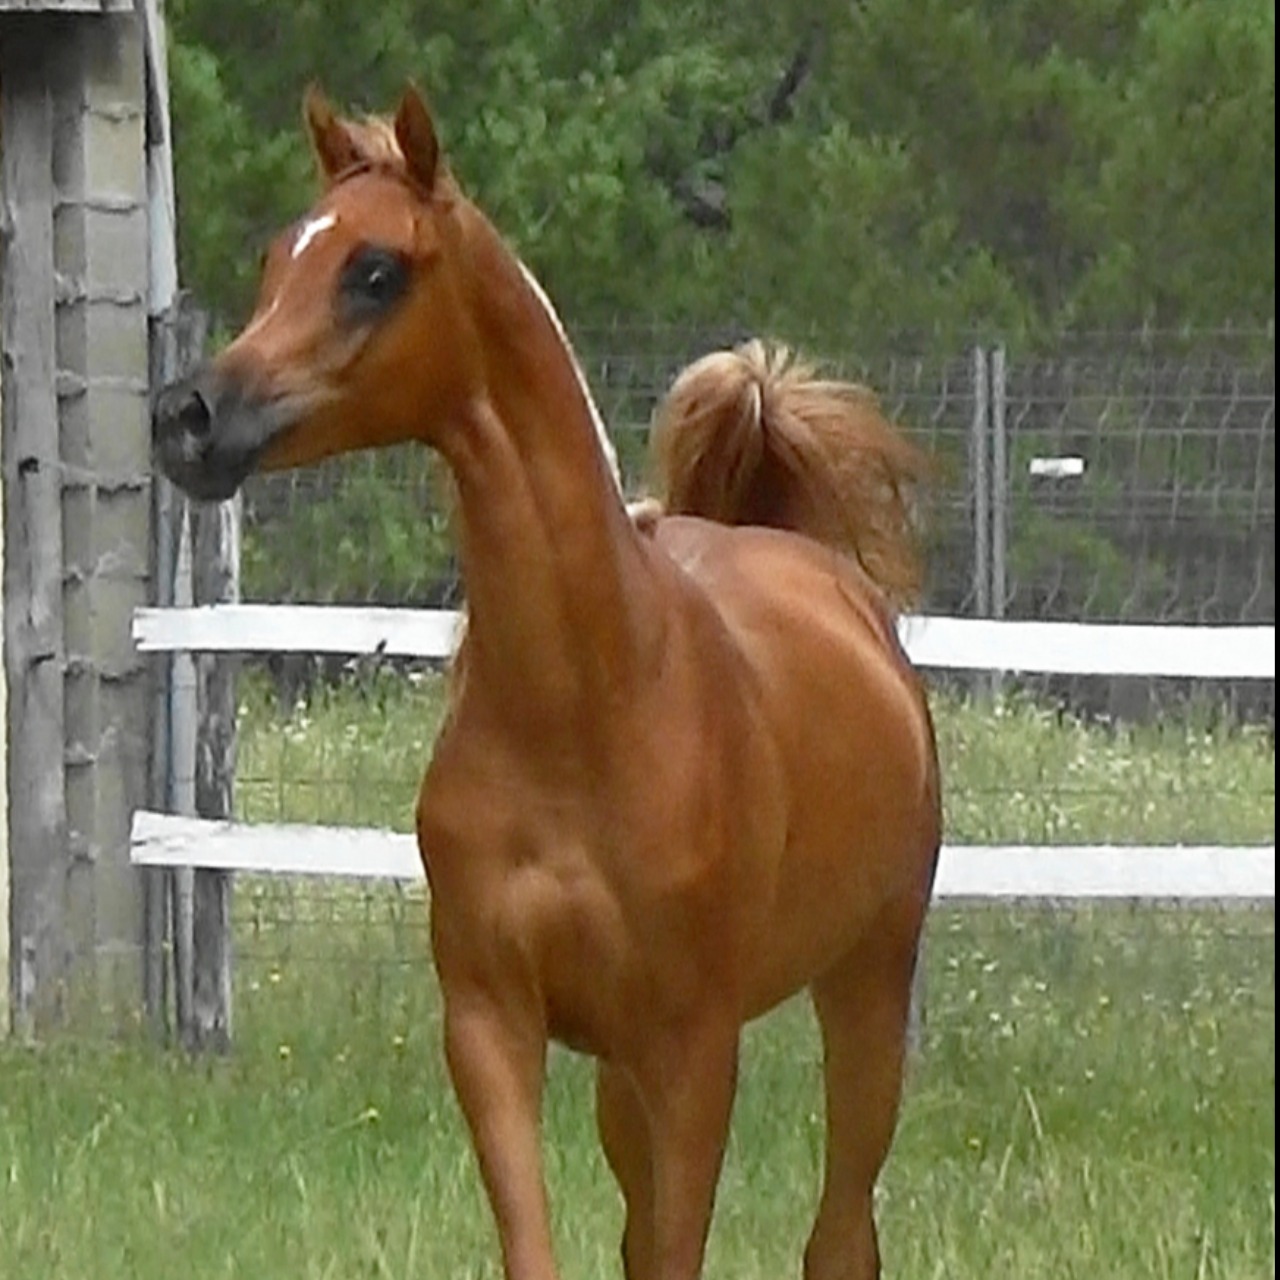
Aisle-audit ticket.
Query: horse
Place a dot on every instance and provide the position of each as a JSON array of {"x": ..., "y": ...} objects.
[{"x": 686, "y": 769}]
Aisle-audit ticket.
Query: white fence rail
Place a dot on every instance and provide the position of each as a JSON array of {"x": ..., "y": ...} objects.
[
  {"x": 1050, "y": 872},
  {"x": 1172, "y": 873},
  {"x": 974, "y": 644}
]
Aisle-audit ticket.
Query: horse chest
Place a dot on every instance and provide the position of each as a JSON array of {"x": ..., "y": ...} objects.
[{"x": 519, "y": 904}]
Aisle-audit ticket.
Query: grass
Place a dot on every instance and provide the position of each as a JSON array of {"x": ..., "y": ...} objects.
[
  {"x": 1094, "y": 1096},
  {"x": 1014, "y": 772}
]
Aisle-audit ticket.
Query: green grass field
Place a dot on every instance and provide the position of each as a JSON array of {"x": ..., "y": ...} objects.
[
  {"x": 1015, "y": 772},
  {"x": 1094, "y": 1096}
]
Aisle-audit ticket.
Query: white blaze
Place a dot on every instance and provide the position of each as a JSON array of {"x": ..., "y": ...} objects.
[{"x": 311, "y": 229}]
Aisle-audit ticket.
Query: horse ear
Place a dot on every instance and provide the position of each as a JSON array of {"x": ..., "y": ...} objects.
[
  {"x": 334, "y": 144},
  {"x": 416, "y": 135}
]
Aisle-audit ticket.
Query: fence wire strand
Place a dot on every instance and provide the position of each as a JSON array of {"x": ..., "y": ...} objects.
[{"x": 1172, "y": 520}]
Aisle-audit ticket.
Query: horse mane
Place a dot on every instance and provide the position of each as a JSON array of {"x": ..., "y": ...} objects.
[
  {"x": 375, "y": 139},
  {"x": 375, "y": 142},
  {"x": 756, "y": 436}
]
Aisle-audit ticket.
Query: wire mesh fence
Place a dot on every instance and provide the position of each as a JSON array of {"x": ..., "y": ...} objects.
[
  {"x": 1174, "y": 520},
  {"x": 1016, "y": 771},
  {"x": 1170, "y": 516},
  {"x": 1173, "y": 517},
  {"x": 352, "y": 963}
]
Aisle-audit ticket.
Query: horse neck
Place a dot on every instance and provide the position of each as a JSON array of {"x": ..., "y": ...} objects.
[{"x": 551, "y": 563}]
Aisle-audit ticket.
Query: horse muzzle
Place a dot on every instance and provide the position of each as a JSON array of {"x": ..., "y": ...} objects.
[{"x": 207, "y": 433}]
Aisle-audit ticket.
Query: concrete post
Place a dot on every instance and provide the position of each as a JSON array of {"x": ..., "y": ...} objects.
[{"x": 101, "y": 260}]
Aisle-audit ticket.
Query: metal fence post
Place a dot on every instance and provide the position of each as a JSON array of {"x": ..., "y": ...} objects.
[
  {"x": 979, "y": 428},
  {"x": 999, "y": 495},
  {"x": 999, "y": 482},
  {"x": 988, "y": 473}
]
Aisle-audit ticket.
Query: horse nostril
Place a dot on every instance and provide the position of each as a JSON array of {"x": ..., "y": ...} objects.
[
  {"x": 195, "y": 415},
  {"x": 184, "y": 410}
]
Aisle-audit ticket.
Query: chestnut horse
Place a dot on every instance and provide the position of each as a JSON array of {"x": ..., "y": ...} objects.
[{"x": 687, "y": 769}]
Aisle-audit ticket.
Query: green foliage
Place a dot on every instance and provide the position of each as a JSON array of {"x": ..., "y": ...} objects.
[
  {"x": 901, "y": 166},
  {"x": 1182, "y": 218},
  {"x": 236, "y": 184},
  {"x": 380, "y": 534},
  {"x": 1089, "y": 576}
]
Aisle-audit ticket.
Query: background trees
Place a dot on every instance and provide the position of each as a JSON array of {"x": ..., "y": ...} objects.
[
  {"x": 872, "y": 169},
  {"x": 871, "y": 180}
]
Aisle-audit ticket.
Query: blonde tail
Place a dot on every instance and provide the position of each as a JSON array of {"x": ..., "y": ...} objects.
[{"x": 755, "y": 436}]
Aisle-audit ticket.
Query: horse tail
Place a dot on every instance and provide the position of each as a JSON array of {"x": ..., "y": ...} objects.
[{"x": 755, "y": 436}]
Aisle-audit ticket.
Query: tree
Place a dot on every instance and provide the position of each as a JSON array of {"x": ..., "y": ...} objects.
[
  {"x": 1182, "y": 220},
  {"x": 894, "y": 165}
]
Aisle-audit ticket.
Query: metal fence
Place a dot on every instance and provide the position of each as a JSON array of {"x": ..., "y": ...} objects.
[
  {"x": 1172, "y": 519},
  {"x": 1165, "y": 512}
]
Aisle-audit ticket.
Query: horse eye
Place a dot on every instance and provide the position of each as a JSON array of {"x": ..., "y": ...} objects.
[{"x": 371, "y": 282}]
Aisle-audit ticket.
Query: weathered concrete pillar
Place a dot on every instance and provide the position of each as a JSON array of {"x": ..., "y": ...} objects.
[
  {"x": 74, "y": 276},
  {"x": 101, "y": 255}
]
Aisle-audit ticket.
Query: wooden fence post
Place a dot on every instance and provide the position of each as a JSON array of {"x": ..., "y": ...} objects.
[
  {"x": 216, "y": 580},
  {"x": 198, "y": 562},
  {"x": 181, "y": 775},
  {"x": 168, "y": 514},
  {"x": 200, "y": 549}
]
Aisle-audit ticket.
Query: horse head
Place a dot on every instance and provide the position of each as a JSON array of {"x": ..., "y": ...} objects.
[{"x": 336, "y": 355}]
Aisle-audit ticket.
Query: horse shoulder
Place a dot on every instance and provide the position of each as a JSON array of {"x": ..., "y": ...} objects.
[
  {"x": 819, "y": 643},
  {"x": 769, "y": 581}
]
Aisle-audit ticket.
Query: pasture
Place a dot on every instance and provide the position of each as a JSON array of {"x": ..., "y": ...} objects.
[{"x": 1094, "y": 1098}]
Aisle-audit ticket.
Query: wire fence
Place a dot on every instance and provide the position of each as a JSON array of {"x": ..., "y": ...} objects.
[
  {"x": 1015, "y": 771},
  {"x": 1173, "y": 518},
  {"x": 1169, "y": 516},
  {"x": 1040, "y": 996}
]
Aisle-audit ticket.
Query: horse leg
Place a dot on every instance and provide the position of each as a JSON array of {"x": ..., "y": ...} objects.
[
  {"x": 624, "y": 1134},
  {"x": 862, "y": 1006},
  {"x": 498, "y": 1067},
  {"x": 687, "y": 1082}
]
